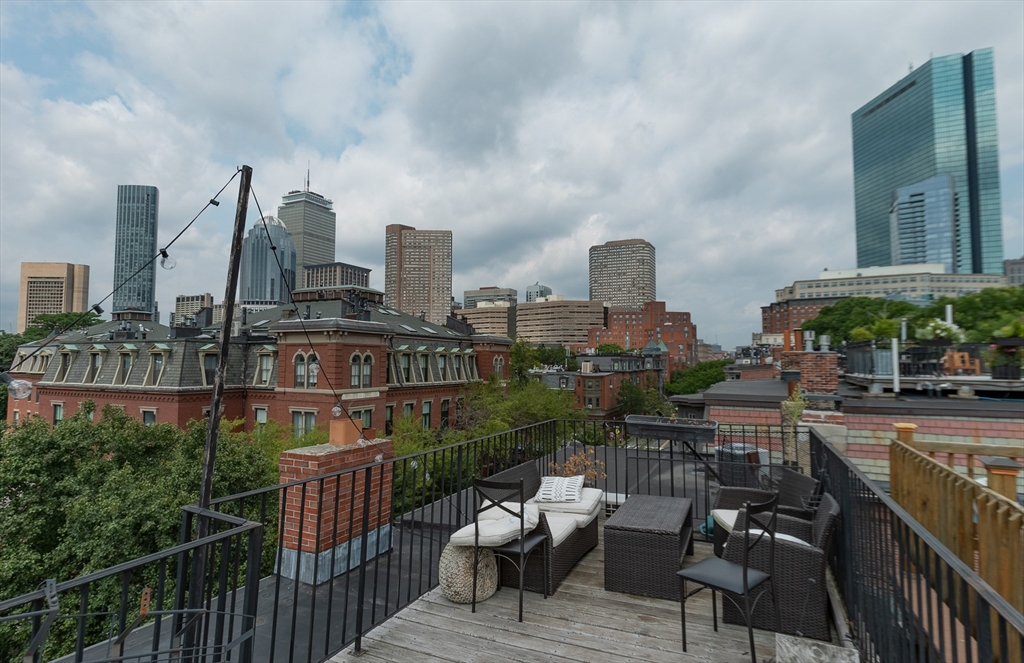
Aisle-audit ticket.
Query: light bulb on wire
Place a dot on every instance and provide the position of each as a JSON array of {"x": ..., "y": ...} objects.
[
  {"x": 336, "y": 410},
  {"x": 16, "y": 389},
  {"x": 167, "y": 261},
  {"x": 314, "y": 369}
]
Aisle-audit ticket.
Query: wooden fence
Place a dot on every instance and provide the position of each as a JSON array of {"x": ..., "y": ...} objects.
[{"x": 982, "y": 527}]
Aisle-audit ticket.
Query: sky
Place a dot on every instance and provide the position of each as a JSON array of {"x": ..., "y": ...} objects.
[{"x": 719, "y": 132}]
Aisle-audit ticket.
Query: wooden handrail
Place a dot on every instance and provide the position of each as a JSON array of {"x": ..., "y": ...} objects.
[{"x": 983, "y": 528}]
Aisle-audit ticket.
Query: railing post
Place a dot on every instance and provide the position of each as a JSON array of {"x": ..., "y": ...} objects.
[
  {"x": 1002, "y": 475},
  {"x": 252, "y": 592},
  {"x": 905, "y": 433},
  {"x": 361, "y": 596}
]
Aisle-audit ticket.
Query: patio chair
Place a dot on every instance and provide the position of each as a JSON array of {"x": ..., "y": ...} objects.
[
  {"x": 492, "y": 500},
  {"x": 737, "y": 580},
  {"x": 797, "y": 495},
  {"x": 798, "y": 572}
]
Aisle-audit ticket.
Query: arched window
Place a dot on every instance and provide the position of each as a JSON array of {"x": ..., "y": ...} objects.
[
  {"x": 313, "y": 372},
  {"x": 367, "y": 370},
  {"x": 356, "y": 362},
  {"x": 499, "y": 366},
  {"x": 300, "y": 371}
]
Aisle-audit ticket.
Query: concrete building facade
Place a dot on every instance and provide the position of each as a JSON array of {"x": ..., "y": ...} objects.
[
  {"x": 623, "y": 273},
  {"x": 489, "y": 294},
  {"x": 418, "y": 271},
  {"x": 335, "y": 274},
  {"x": 138, "y": 209},
  {"x": 536, "y": 291},
  {"x": 186, "y": 306},
  {"x": 51, "y": 287},
  {"x": 312, "y": 224},
  {"x": 554, "y": 320},
  {"x": 911, "y": 282},
  {"x": 492, "y": 318},
  {"x": 1013, "y": 270}
]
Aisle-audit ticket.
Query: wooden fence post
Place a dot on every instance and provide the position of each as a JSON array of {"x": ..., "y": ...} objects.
[
  {"x": 905, "y": 433},
  {"x": 1002, "y": 475}
]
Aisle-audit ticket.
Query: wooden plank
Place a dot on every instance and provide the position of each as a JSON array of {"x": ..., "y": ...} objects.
[{"x": 969, "y": 448}]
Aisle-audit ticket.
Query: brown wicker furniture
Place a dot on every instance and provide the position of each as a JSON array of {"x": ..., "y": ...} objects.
[
  {"x": 562, "y": 557},
  {"x": 799, "y": 572},
  {"x": 794, "y": 489},
  {"x": 738, "y": 582},
  {"x": 644, "y": 544}
]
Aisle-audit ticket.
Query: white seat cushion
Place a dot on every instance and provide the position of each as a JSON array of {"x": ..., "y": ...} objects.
[
  {"x": 725, "y": 518},
  {"x": 779, "y": 536},
  {"x": 590, "y": 499},
  {"x": 561, "y": 526},
  {"x": 496, "y": 527}
]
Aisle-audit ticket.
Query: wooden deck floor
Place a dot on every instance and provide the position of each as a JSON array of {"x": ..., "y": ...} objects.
[{"x": 581, "y": 622}]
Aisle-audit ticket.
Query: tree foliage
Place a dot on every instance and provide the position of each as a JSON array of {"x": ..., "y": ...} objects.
[
  {"x": 646, "y": 400},
  {"x": 979, "y": 314},
  {"x": 43, "y": 325},
  {"x": 697, "y": 378},
  {"x": 83, "y": 496},
  {"x": 610, "y": 349},
  {"x": 839, "y": 320},
  {"x": 523, "y": 356}
]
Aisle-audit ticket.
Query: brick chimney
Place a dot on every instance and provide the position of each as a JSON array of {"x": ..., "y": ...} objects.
[{"x": 331, "y": 497}]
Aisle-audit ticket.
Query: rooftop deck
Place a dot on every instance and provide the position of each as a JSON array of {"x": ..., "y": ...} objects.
[{"x": 580, "y": 622}]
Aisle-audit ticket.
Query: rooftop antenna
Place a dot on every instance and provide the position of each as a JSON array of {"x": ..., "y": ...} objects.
[
  {"x": 910, "y": 66},
  {"x": 307, "y": 176}
]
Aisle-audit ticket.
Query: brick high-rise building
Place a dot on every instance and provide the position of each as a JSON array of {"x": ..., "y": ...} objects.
[
  {"x": 623, "y": 273},
  {"x": 418, "y": 271},
  {"x": 51, "y": 287}
]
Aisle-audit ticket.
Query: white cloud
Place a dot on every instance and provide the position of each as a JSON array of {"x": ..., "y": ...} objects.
[{"x": 719, "y": 132}]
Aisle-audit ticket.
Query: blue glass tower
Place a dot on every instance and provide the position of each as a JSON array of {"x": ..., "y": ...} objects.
[
  {"x": 134, "y": 248},
  {"x": 260, "y": 282},
  {"x": 923, "y": 224},
  {"x": 938, "y": 120}
]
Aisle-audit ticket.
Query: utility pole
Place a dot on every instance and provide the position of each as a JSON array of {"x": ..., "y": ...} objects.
[{"x": 210, "y": 454}]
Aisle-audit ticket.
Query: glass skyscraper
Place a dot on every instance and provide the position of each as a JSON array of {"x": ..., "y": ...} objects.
[
  {"x": 938, "y": 120},
  {"x": 134, "y": 247},
  {"x": 260, "y": 282},
  {"x": 923, "y": 222}
]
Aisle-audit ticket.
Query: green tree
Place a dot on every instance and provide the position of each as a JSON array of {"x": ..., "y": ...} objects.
[
  {"x": 610, "y": 349},
  {"x": 979, "y": 314},
  {"x": 521, "y": 358},
  {"x": 631, "y": 398},
  {"x": 839, "y": 320},
  {"x": 697, "y": 378},
  {"x": 44, "y": 324}
]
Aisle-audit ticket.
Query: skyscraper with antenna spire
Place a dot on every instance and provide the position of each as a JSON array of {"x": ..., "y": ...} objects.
[{"x": 312, "y": 224}]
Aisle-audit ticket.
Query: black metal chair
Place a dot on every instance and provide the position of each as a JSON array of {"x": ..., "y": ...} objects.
[
  {"x": 727, "y": 577},
  {"x": 496, "y": 494}
]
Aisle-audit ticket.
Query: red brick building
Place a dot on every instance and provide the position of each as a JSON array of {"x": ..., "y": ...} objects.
[
  {"x": 636, "y": 329},
  {"x": 778, "y": 317},
  {"x": 378, "y": 364}
]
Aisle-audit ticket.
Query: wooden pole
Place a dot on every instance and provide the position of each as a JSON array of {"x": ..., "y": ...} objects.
[{"x": 905, "y": 433}]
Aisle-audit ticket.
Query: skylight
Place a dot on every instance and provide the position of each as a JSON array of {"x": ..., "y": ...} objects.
[
  {"x": 412, "y": 329},
  {"x": 428, "y": 329}
]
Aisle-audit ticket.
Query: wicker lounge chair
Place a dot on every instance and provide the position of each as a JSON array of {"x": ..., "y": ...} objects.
[
  {"x": 794, "y": 489},
  {"x": 799, "y": 572}
]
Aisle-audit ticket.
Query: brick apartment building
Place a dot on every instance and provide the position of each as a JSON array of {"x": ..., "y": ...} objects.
[
  {"x": 382, "y": 364},
  {"x": 651, "y": 324}
]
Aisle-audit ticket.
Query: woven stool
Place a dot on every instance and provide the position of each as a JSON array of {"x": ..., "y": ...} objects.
[{"x": 455, "y": 574}]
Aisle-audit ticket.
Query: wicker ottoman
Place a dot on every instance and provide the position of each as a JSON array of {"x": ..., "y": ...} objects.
[
  {"x": 644, "y": 544},
  {"x": 455, "y": 574}
]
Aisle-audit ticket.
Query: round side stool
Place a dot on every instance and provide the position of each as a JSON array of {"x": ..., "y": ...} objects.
[{"x": 455, "y": 574}]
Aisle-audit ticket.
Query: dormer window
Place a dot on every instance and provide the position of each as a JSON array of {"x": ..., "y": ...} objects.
[
  {"x": 442, "y": 367},
  {"x": 63, "y": 367},
  {"x": 424, "y": 361},
  {"x": 95, "y": 363},
  {"x": 208, "y": 363},
  {"x": 124, "y": 368},
  {"x": 264, "y": 367},
  {"x": 157, "y": 360}
]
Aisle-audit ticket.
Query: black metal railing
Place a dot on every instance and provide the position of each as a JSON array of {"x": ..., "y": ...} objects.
[
  {"x": 907, "y": 596},
  {"x": 147, "y": 606},
  {"x": 338, "y": 554}
]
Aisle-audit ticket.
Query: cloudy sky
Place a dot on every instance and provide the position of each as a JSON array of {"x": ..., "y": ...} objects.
[{"x": 719, "y": 132}]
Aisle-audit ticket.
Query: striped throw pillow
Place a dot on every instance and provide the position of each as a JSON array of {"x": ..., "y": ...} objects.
[{"x": 560, "y": 489}]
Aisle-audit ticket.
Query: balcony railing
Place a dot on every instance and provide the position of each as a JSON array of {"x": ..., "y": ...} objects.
[{"x": 908, "y": 596}]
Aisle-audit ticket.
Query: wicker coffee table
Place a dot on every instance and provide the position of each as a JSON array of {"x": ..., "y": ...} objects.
[{"x": 644, "y": 544}]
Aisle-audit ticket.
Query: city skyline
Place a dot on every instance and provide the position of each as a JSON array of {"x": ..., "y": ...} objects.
[{"x": 718, "y": 133}]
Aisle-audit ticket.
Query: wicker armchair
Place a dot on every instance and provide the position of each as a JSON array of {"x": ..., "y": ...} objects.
[
  {"x": 793, "y": 487},
  {"x": 799, "y": 572}
]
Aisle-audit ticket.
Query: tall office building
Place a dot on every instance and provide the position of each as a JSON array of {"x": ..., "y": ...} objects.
[
  {"x": 134, "y": 248},
  {"x": 536, "y": 291},
  {"x": 188, "y": 305},
  {"x": 623, "y": 273},
  {"x": 260, "y": 282},
  {"x": 490, "y": 293},
  {"x": 938, "y": 120},
  {"x": 418, "y": 271},
  {"x": 51, "y": 287},
  {"x": 923, "y": 220},
  {"x": 312, "y": 224}
]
